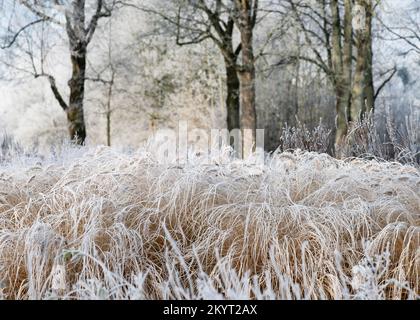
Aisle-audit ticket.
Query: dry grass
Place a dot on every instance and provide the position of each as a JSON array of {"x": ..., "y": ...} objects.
[{"x": 101, "y": 224}]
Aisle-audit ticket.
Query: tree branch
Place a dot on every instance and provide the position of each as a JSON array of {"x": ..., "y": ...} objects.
[
  {"x": 94, "y": 21},
  {"x": 384, "y": 83},
  {"x": 16, "y": 35},
  {"x": 54, "y": 89}
]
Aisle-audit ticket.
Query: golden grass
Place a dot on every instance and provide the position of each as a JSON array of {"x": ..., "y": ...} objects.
[{"x": 108, "y": 225}]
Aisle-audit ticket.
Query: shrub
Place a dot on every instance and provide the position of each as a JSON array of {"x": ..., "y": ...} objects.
[
  {"x": 401, "y": 144},
  {"x": 300, "y": 137},
  {"x": 368, "y": 138}
]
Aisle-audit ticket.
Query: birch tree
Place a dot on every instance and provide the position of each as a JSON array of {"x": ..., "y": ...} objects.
[{"x": 362, "y": 91}]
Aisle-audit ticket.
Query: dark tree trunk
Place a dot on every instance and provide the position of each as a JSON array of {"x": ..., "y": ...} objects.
[
  {"x": 79, "y": 38},
  {"x": 248, "y": 110},
  {"x": 108, "y": 129},
  {"x": 342, "y": 103},
  {"x": 109, "y": 108},
  {"x": 370, "y": 88},
  {"x": 232, "y": 97},
  {"x": 341, "y": 55},
  {"x": 75, "y": 114},
  {"x": 247, "y": 18}
]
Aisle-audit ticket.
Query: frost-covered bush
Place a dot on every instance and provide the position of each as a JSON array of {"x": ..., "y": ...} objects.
[
  {"x": 368, "y": 138},
  {"x": 397, "y": 143},
  {"x": 300, "y": 137}
]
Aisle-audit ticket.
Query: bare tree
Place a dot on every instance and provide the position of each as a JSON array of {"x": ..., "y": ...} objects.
[
  {"x": 79, "y": 31},
  {"x": 215, "y": 20},
  {"x": 339, "y": 37},
  {"x": 328, "y": 37},
  {"x": 198, "y": 21}
]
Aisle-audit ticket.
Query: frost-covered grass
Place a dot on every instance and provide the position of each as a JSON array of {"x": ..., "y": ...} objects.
[{"x": 103, "y": 224}]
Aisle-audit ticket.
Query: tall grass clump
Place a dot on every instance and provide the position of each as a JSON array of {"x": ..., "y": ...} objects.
[
  {"x": 395, "y": 142},
  {"x": 383, "y": 139},
  {"x": 102, "y": 224},
  {"x": 301, "y": 137}
]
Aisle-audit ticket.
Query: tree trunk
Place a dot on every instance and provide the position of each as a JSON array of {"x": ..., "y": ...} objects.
[
  {"x": 341, "y": 55},
  {"x": 336, "y": 52},
  {"x": 109, "y": 107},
  {"x": 341, "y": 118},
  {"x": 232, "y": 97},
  {"x": 75, "y": 114},
  {"x": 347, "y": 56},
  {"x": 297, "y": 77},
  {"x": 77, "y": 34},
  {"x": 369, "y": 89},
  {"x": 357, "y": 104},
  {"x": 247, "y": 85},
  {"x": 108, "y": 128},
  {"x": 359, "y": 92}
]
